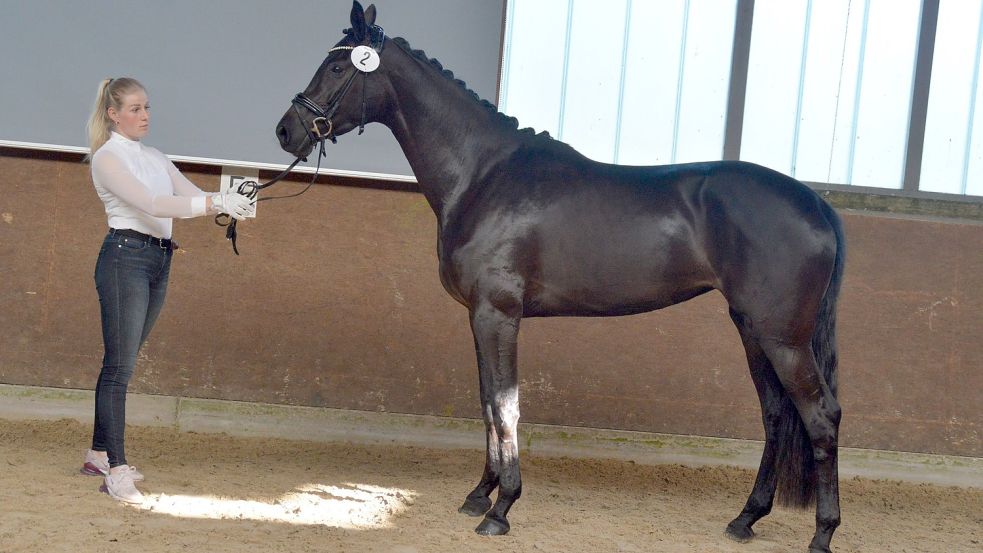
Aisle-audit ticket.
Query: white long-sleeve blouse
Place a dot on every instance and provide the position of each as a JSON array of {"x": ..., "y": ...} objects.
[{"x": 142, "y": 189}]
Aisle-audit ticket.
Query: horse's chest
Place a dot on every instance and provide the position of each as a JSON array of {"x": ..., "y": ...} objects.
[{"x": 450, "y": 274}]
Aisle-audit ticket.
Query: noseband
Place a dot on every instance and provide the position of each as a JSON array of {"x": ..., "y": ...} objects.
[{"x": 323, "y": 116}]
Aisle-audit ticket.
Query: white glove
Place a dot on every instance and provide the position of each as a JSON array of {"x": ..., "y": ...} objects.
[{"x": 235, "y": 204}]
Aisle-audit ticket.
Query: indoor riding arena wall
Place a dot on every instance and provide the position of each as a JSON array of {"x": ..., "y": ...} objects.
[{"x": 335, "y": 302}]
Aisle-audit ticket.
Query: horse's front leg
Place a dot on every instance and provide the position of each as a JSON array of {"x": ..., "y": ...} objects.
[
  {"x": 495, "y": 335},
  {"x": 478, "y": 501}
]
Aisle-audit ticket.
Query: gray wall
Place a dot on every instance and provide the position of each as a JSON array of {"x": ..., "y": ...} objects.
[{"x": 220, "y": 73}]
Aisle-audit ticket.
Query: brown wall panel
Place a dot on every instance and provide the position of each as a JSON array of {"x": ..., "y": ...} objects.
[{"x": 335, "y": 302}]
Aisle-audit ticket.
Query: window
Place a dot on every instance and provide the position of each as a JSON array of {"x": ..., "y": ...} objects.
[
  {"x": 626, "y": 82},
  {"x": 829, "y": 89},
  {"x": 830, "y": 95},
  {"x": 953, "y": 157}
]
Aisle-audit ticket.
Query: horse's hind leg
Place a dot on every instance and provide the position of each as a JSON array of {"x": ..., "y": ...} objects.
[
  {"x": 770, "y": 395},
  {"x": 796, "y": 368},
  {"x": 495, "y": 335}
]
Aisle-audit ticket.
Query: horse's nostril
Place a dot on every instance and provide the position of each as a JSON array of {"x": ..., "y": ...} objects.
[{"x": 282, "y": 134}]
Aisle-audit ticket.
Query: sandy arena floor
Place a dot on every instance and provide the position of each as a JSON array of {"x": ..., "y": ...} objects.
[{"x": 291, "y": 496}]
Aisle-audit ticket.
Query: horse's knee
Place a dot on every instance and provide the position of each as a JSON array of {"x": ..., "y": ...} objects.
[
  {"x": 506, "y": 402},
  {"x": 506, "y": 414}
]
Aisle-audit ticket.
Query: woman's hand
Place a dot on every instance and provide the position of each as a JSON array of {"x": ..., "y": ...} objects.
[{"x": 235, "y": 204}]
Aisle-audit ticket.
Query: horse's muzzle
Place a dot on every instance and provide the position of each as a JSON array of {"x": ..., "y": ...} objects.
[
  {"x": 283, "y": 135},
  {"x": 299, "y": 147}
]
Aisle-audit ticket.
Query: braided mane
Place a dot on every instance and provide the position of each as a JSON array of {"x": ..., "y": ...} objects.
[{"x": 509, "y": 121}]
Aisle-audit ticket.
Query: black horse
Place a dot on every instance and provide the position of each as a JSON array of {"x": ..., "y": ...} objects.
[{"x": 529, "y": 227}]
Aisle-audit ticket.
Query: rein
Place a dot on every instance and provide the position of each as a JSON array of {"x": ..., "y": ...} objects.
[{"x": 250, "y": 189}]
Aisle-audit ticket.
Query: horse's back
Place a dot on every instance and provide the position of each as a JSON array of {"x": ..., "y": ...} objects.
[
  {"x": 587, "y": 238},
  {"x": 603, "y": 239}
]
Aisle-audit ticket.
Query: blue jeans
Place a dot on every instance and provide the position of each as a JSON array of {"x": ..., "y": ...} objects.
[{"x": 131, "y": 278}]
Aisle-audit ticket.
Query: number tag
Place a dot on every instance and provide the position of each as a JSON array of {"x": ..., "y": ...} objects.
[{"x": 365, "y": 59}]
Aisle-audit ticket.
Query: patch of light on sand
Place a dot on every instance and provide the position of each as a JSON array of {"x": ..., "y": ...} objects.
[{"x": 356, "y": 506}]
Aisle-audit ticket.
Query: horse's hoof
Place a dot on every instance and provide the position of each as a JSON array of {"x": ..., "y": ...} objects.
[
  {"x": 475, "y": 507},
  {"x": 493, "y": 527},
  {"x": 819, "y": 549},
  {"x": 739, "y": 533}
]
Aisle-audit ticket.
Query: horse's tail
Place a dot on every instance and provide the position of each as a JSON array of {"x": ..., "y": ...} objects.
[{"x": 795, "y": 464}]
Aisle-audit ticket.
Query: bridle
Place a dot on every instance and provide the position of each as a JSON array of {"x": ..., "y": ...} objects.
[{"x": 323, "y": 116}]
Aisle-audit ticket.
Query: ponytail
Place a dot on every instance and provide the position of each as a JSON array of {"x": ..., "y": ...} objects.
[{"x": 110, "y": 94}]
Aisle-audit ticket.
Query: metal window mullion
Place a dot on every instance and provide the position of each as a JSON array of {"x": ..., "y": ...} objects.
[
  {"x": 797, "y": 124},
  {"x": 856, "y": 93},
  {"x": 737, "y": 87},
  {"x": 839, "y": 95},
  {"x": 566, "y": 71},
  {"x": 918, "y": 114},
  {"x": 971, "y": 120},
  {"x": 621, "y": 82},
  {"x": 508, "y": 17},
  {"x": 680, "y": 75}
]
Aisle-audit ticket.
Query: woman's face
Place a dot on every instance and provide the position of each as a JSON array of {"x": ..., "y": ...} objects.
[{"x": 133, "y": 118}]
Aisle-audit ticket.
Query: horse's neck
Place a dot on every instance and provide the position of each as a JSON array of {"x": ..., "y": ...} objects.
[{"x": 448, "y": 137}]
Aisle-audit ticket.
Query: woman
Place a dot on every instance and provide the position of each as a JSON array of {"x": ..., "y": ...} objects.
[{"x": 142, "y": 191}]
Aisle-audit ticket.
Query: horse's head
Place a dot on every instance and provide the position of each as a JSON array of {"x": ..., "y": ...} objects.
[{"x": 336, "y": 99}]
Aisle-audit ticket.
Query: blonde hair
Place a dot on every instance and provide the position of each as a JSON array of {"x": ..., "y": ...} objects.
[{"x": 110, "y": 94}]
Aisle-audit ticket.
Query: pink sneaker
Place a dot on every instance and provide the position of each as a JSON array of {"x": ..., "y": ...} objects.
[
  {"x": 136, "y": 475},
  {"x": 95, "y": 464},
  {"x": 98, "y": 465}
]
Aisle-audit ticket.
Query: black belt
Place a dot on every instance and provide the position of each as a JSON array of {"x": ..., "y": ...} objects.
[{"x": 162, "y": 243}]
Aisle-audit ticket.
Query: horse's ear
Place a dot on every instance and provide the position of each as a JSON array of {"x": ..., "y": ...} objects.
[
  {"x": 370, "y": 15},
  {"x": 359, "y": 28}
]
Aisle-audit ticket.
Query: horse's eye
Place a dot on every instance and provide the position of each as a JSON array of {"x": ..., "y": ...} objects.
[{"x": 336, "y": 69}]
